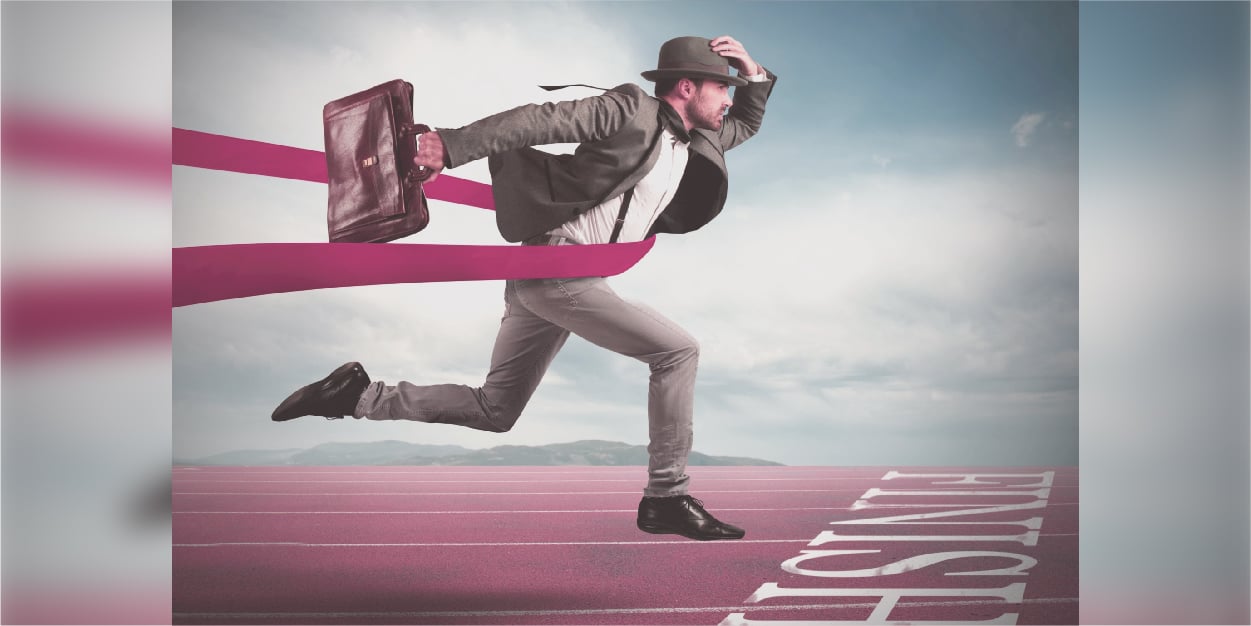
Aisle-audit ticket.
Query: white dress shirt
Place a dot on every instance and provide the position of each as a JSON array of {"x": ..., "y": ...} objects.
[{"x": 652, "y": 194}]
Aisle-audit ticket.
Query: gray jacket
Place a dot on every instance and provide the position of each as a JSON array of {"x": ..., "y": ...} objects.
[{"x": 535, "y": 191}]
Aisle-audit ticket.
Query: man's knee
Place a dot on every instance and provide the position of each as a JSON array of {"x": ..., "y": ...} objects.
[
  {"x": 684, "y": 354},
  {"x": 691, "y": 349},
  {"x": 501, "y": 427},
  {"x": 502, "y": 417}
]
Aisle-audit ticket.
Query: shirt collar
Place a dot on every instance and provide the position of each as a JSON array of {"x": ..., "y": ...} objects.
[{"x": 673, "y": 121}]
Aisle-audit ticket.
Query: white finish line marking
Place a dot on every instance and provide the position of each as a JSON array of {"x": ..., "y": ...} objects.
[{"x": 645, "y": 611}]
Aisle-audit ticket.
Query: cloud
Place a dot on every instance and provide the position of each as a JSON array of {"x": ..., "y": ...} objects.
[{"x": 1024, "y": 128}]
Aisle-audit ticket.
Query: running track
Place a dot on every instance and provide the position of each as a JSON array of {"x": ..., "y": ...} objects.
[{"x": 557, "y": 545}]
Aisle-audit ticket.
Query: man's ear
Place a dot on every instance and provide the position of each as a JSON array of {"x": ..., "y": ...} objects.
[{"x": 686, "y": 88}]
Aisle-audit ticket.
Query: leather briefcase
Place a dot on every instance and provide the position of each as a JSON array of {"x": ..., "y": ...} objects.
[{"x": 375, "y": 191}]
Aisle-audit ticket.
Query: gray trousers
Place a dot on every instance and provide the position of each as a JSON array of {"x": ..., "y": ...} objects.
[{"x": 538, "y": 317}]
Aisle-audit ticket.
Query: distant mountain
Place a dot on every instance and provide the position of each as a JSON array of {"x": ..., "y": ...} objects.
[
  {"x": 247, "y": 457},
  {"x": 372, "y": 453},
  {"x": 589, "y": 452}
]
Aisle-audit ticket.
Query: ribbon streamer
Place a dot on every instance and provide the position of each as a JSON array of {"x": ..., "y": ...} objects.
[
  {"x": 245, "y": 156},
  {"x": 211, "y": 273}
]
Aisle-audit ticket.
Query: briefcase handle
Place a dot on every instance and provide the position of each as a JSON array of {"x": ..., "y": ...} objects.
[{"x": 420, "y": 174}]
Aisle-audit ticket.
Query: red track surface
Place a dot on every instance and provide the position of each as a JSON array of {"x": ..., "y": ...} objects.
[{"x": 558, "y": 545}]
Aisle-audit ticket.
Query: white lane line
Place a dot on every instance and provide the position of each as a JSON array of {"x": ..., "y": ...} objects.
[
  {"x": 624, "y": 479},
  {"x": 625, "y": 611},
  {"x": 498, "y": 493},
  {"x": 636, "y": 492},
  {"x": 489, "y": 469},
  {"x": 580, "y": 471},
  {"x": 512, "y": 512},
  {"x": 500, "y": 512},
  {"x": 495, "y": 544},
  {"x": 476, "y": 482},
  {"x": 303, "y": 544},
  {"x": 578, "y": 493},
  {"x": 903, "y": 473}
]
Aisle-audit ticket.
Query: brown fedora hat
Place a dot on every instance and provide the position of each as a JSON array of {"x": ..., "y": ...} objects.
[{"x": 691, "y": 57}]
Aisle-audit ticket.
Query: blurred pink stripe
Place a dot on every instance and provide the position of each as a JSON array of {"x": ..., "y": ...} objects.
[
  {"x": 220, "y": 152},
  {"x": 53, "y": 312},
  {"x": 211, "y": 273},
  {"x": 64, "y": 143}
]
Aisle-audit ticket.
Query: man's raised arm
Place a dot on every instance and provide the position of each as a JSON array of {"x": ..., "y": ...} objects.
[
  {"x": 747, "y": 112},
  {"x": 571, "y": 121}
]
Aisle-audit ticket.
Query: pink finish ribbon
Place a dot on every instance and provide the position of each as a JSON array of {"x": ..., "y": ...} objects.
[
  {"x": 212, "y": 273},
  {"x": 220, "y": 152}
]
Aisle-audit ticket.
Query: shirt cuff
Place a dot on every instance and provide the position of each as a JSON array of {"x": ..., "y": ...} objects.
[{"x": 756, "y": 78}]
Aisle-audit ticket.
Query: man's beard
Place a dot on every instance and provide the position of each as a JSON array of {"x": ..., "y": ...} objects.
[{"x": 707, "y": 120}]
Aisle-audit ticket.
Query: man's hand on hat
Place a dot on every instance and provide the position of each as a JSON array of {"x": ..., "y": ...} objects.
[
  {"x": 730, "y": 48},
  {"x": 431, "y": 154}
]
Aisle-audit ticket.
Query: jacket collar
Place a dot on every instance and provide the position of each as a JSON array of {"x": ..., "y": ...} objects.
[{"x": 669, "y": 116}]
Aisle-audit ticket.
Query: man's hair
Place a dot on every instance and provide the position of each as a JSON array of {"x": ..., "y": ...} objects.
[{"x": 666, "y": 85}]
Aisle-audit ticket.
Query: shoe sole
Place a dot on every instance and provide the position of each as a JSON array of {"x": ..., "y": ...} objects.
[
  {"x": 668, "y": 530},
  {"x": 289, "y": 408}
]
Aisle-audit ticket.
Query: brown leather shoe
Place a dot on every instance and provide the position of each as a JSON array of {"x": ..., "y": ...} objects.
[
  {"x": 333, "y": 396},
  {"x": 683, "y": 515}
]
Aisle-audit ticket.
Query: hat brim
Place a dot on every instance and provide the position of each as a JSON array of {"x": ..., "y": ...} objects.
[{"x": 655, "y": 75}]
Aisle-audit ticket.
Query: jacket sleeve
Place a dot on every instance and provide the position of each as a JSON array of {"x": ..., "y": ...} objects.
[
  {"x": 571, "y": 121},
  {"x": 747, "y": 112}
]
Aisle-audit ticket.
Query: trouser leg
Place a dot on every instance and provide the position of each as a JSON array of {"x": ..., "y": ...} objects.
[
  {"x": 524, "y": 348},
  {"x": 592, "y": 310}
]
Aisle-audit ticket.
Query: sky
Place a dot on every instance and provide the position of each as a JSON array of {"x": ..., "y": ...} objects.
[{"x": 894, "y": 279}]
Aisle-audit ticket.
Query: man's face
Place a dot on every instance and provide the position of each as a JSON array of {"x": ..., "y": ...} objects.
[{"x": 706, "y": 109}]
